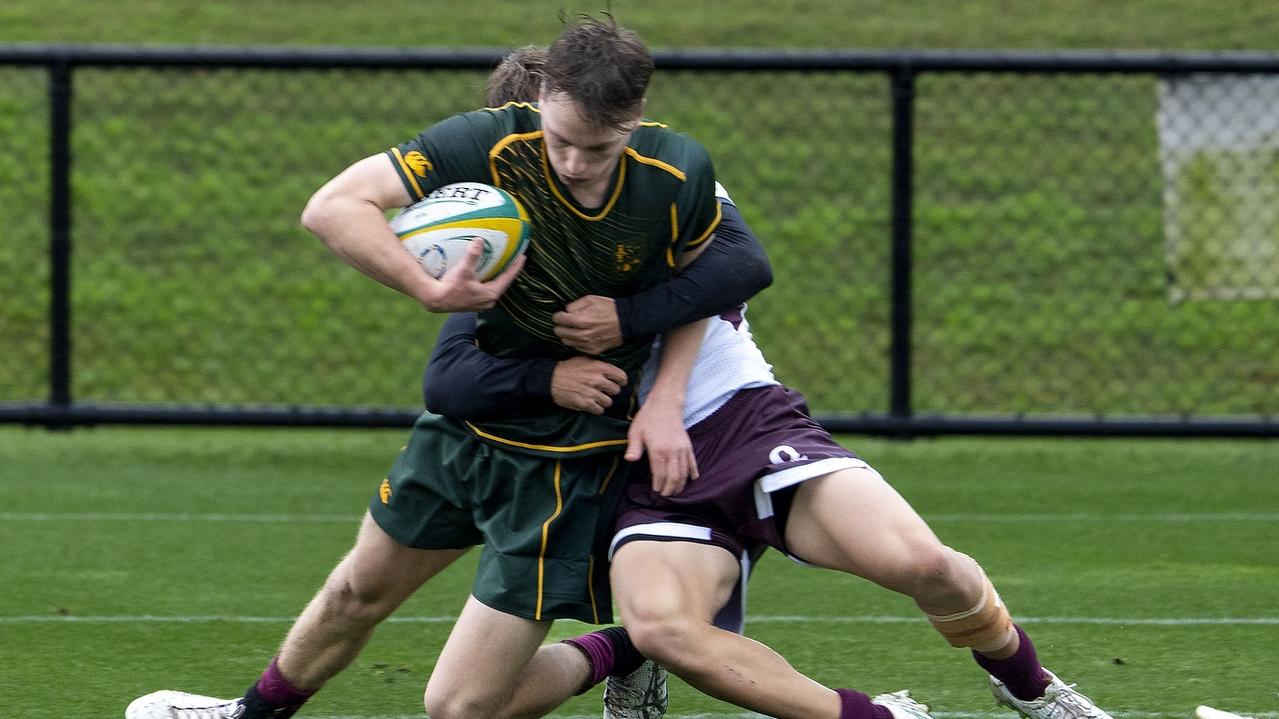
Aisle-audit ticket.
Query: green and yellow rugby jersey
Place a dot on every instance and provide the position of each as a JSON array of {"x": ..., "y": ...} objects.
[{"x": 661, "y": 203}]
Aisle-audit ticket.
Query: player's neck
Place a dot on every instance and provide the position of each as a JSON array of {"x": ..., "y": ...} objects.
[{"x": 591, "y": 196}]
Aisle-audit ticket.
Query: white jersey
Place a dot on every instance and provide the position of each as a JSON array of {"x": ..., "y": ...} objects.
[{"x": 728, "y": 361}]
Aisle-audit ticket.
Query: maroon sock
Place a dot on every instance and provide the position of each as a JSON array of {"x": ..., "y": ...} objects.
[
  {"x": 855, "y": 705},
  {"x": 273, "y": 696},
  {"x": 599, "y": 655},
  {"x": 1021, "y": 673}
]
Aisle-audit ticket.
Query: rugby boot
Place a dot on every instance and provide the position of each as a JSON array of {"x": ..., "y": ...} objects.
[
  {"x": 1060, "y": 701},
  {"x": 638, "y": 695},
  {"x": 1205, "y": 712},
  {"x": 902, "y": 705},
  {"x": 181, "y": 705}
]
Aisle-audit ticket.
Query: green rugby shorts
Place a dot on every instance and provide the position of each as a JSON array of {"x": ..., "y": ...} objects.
[{"x": 544, "y": 522}]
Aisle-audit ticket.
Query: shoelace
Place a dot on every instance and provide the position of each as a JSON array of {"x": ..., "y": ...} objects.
[
  {"x": 213, "y": 712},
  {"x": 625, "y": 696},
  {"x": 1068, "y": 703}
]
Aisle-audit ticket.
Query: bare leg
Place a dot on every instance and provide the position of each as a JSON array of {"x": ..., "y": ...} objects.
[
  {"x": 555, "y": 675},
  {"x": 889, "y": 543},
  {"x": 366, "y": 586},
  {"x": 482, "y": 662},
  {"x": 668, "y": 594}
]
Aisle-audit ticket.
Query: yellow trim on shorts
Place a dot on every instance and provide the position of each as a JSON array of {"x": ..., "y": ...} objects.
[
  {"x": 545, "y": 447},
  {"x": 611, "y": 471},
  {"x": 546, "y": 527},
  {"x": 590, "y": 588}
]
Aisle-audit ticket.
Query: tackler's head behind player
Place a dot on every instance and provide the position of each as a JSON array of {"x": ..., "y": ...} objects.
[
  {"x": 592, "y": 99},
  {"x": 518, "y": 78}
]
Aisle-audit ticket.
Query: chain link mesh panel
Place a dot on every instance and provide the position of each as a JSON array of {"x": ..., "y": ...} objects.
[
  {"x": 1041, "y": 274},
  {"x": 806, "y": 159},
  {"x": 1055, "y": 237},
  {"x": 24, "y": 234},
  {"x": 194, "y": 281}
]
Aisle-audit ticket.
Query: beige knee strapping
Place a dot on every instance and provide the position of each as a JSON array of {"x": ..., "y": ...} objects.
[{"x": 986, "y": 627}]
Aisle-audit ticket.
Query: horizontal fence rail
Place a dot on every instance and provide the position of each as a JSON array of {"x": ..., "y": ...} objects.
[{"x": 980, "y": 243}]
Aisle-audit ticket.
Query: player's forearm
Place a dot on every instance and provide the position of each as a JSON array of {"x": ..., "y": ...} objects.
[
  {"x": 680, "y": 348},
  {"x": 348, "y": 215},
  {"x": 733, "y": 269},
  {"x": 464, "y": 382},
  {"x": 356, "y": 231}
]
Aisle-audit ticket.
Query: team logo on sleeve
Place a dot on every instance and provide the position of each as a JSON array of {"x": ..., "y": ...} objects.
[
  {"x": 418, "y": 163},
  {"x": 384, "y": 491}
]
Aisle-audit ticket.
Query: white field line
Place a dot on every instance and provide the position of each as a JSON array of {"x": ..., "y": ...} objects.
[
  {"x": 1174, "y": 517},
  {"x": 750, "y": 620}
]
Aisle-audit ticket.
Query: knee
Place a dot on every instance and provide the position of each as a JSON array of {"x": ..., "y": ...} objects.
[
  {"x": 667, "y": 638},
  {"x": 352, "y": 598},
  {"x": 942, "y": 579},
  {"x": 446, "y": 704}
]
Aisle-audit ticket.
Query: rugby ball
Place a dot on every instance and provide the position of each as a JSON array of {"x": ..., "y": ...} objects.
[{"x": 438, "y": 228}]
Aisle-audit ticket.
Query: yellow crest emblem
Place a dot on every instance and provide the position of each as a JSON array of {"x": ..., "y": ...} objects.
[
  {"x": 384, "y": 491},
  {"x": 418, "y": 163},
  {"x": 625, "y": 258}
]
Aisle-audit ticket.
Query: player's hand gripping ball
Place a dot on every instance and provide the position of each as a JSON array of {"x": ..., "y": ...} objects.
[{"x": 439, "y": 228}]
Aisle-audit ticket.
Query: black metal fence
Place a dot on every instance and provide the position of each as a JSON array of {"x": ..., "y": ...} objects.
[{"x": 980, "y": 243}]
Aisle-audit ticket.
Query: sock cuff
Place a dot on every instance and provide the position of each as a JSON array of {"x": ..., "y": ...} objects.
[
  {"x": 274, "y": 689},
  {"x": 856, "y": 705},
  {"x": 590, "y": 647}
]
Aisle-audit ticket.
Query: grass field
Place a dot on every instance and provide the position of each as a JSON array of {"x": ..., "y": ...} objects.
[{"x": 138, "y": 559}]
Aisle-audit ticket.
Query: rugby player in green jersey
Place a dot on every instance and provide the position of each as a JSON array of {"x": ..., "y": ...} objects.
[
  {"x": 768, "y": 476},
  {"x": 617, "y": 205}
]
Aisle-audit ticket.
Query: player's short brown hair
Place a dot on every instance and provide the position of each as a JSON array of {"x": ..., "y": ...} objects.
[
  {"x": 517, "y": 78},
  {"x": 601, "y": 66}
]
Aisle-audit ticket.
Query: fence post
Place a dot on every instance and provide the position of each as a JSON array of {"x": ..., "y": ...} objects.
[
  {"x": 903, "y": 91},
  {"x": 59, "y": 244}
]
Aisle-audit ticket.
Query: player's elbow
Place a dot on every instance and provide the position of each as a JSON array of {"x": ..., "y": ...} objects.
[
  {"x": 317, "y": 214},
  {"x": 444, "y": 398},
  {"x": 436, "y": 397},
  {"x": 759, "y": 273}
]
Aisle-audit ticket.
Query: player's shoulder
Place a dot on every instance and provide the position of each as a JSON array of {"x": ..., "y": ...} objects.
[
  {"x": 493, "y": 123},
  {"x": 658, "y": 145},
  {"x": 514, "y": 114}
]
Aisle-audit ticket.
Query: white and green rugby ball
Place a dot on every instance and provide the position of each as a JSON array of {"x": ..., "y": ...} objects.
[{"x": 439, "y": 227}]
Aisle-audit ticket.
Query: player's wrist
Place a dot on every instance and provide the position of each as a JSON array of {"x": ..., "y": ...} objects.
[{"x": 431, "y": 294}]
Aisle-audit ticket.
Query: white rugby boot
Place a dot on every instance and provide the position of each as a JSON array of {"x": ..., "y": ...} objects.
[
  {"x": 181, "y": 705},
  {"x": 902, "y": 705},
  {"x": 1206, "y": 712},
  {"x": 638, "y": 695},
  {"x": 1060, "y": 701}
]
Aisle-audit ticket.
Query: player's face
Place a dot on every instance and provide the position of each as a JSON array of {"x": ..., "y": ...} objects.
[{"x": 582, "y": 153}]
